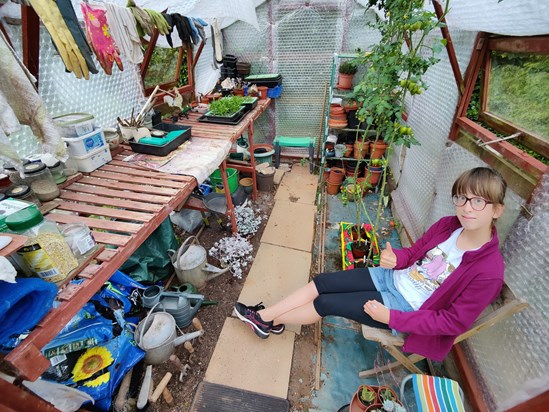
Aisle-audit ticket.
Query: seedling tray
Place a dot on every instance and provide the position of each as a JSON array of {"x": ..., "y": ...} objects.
[
  {"x": 250, "y": 104},
  {"x": 165, "y": 149},
  {"x": 269, "y": 80},
  {"x": 222, "y": 120}
]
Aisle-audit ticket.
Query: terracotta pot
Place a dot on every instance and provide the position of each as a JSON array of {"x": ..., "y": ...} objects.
[
  {"x": 350, "y": 106},
  {"x": 326, "y": 174},
  {"x": 373, "y": 174},
  {"x": 361, "y": 149},
  {"x": 377, "y": 149},
  {"x": 365, "y": 186},
  {"x": 345, "y": 81},
  {"x": 348, "y": 150},
  {"x": 262, "y": 90},
  {"x": 374, "y": 407},
  {"x": 356, "y": 405},
  {"x": 332, "y": 188},
  {"x": 238, "y": 92},
  {"x": 336, "y": 176},
  {"x": 339, "y": 117},
  {"x": 337, "y": 124},
  {"x": 382, "y": 389}
]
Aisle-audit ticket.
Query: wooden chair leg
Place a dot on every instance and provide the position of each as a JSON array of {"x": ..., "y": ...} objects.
[{"x": 401, "y": 360}]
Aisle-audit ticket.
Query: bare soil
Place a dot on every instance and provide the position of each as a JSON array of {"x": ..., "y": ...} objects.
[{"x": 225, "y": 289}]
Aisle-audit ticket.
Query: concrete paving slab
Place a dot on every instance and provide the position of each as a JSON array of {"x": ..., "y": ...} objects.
[
  {"x": 242, "y": 360},
  {"x": 298, "y": 186},
  {"x": 276, "y": 272},
  {"x": 279, "y": 174},
  {"x": 291, "y": 225}
]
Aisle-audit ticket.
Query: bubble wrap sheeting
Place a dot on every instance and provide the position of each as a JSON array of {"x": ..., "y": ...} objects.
[
  {"x": 298, "y": 41},
  {"x": 529, "y": 17},
  {"x": 430, "y": 116},
  {"x": 106, "y": 97},
  {"x": 523, "y": 353}
]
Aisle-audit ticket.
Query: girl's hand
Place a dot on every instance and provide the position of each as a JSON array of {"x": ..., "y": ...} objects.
[
  {"x": 377, "y": 311},
  {"x": 388, "y": 259}
]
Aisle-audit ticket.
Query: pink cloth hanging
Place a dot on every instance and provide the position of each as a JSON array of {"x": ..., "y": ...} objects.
[{"x": 99, "y": 37}]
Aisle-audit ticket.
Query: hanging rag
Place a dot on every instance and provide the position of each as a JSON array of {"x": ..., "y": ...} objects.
[
  {"x": 194, "y": 31},
  {"x": 17, "y": 90},
  {"x": 158, "y": 21},
  {"x": 69, "y": 16},
  {"x": 144, "y": 23},
  {"x": 61, "y": 36},
  {"x": 124, "y": 32},
  {"x": 23, "y": 305},
  {"x": 99, "y": 36},
  {"x": 176, "y": 20},
  {"x": 200, "y": 24}
]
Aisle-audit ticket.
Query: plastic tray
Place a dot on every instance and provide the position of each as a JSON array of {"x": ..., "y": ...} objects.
[
  {"x": 223, "y": 120},
  {"x": 216, "y": 119},
  {"x": 250, "y": 105},
  {"x": 269, "y": 80},
  {"x": 168, "y": 147}
]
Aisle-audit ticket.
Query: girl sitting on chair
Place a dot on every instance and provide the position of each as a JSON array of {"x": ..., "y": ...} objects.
[{"x": 432, "y": 291}]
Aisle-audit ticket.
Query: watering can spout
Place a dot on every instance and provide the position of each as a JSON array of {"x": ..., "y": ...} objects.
[{"x": 187, "y": 336}]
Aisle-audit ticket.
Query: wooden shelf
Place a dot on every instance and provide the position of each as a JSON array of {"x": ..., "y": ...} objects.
[{"x": 17, "y": 241}]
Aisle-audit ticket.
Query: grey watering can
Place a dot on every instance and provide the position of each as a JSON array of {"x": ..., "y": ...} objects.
[
  {"x": 181, "y": 305},
  {"x": 157, "y": 336},
  {"x": 190, "y": 263}
]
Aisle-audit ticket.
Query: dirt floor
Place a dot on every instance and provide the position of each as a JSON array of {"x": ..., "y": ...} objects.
[{"x": 225, "y": 289}]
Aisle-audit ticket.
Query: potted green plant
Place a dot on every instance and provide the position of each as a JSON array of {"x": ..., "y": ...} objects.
[
  {"x": 363, "y": 398},
  {"x": 227, "y": 107},
  {"x": 347, "y": 71}
]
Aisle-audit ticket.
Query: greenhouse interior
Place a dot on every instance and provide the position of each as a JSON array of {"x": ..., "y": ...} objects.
[{"x": 250, "y": 205}]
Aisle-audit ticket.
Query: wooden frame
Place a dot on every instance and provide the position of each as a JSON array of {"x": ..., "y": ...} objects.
[
  {"x": 517, "y": 166},
  {"x": 191, "y": 64},
  {"x": 531, "y": 45},
  {"x": 506, "y": 305}
]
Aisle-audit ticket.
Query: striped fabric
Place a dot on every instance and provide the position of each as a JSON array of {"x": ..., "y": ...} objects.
[{"x": 434, "y": 394}]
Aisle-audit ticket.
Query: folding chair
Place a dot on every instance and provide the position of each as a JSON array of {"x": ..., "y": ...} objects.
[
  {"x": 284, "y": 141},
  {"x": 433, "y": 393},
  {"x": 503, "y": 307}
]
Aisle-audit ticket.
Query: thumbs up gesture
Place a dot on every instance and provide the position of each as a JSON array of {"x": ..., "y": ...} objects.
[{"x": 388, "y": 259}]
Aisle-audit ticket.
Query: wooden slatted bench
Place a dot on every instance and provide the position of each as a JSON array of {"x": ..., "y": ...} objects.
[{"x": 122, "y": 204}]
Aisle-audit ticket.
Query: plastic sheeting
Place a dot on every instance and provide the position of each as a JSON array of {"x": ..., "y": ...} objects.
[{"x": 507, "y": 17}]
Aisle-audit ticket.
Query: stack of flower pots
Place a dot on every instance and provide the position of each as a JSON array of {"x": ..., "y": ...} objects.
[
  {"x": 335, "y": 179},
  {"x": 338, "y": 118}
]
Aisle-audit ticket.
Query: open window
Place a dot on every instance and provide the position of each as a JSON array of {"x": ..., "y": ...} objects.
[
  {"x": 168, "y": 67},
  {"x": 502, "y": 115}
]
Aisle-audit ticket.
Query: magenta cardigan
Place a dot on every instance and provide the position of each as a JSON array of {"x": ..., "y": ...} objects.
[{"x": 457, "y": 303}]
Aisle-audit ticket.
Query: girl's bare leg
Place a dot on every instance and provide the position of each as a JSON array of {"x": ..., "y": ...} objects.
[
  {"x": 302, "y": 297},
  {"x": 303, "y": 315}
]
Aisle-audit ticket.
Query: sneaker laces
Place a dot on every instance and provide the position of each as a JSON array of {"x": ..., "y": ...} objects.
[{"x": 257, "y": 307}]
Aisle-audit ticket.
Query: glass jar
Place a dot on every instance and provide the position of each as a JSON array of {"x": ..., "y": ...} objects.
[
  {"x": 40, "y": 180},
  {"x": 14, "y": 174},
  {"x": 80, "y": 239},
  {"x": 23, "y": 192},
  {"x": 46, "y": 253},
  {"x": 57, "y": 172}
]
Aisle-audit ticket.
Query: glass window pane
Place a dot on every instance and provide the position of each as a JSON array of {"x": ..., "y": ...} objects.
[
  {"x": 162, "y": 67},
  {"x": 519, "y": 91}
]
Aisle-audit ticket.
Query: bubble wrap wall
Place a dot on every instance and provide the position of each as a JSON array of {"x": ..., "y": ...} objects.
[
  {"x": 298, "y": 41},
  {"x": 106, "y": 97}
]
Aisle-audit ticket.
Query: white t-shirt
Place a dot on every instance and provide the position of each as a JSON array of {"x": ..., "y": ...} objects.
[{"x": 420, "y": 280}]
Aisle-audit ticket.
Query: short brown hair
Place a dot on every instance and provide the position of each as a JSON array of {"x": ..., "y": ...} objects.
[{"x": 481, "y": 181}]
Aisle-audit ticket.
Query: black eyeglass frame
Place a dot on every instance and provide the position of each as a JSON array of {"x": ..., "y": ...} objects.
[{"x": 470, "y": 200}]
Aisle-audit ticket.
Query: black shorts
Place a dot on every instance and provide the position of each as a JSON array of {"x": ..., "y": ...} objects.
[{"x": 345, "y": 293}]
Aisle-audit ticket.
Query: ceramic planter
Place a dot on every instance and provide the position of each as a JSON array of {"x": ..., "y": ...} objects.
[{"x": 373, "y": 174}]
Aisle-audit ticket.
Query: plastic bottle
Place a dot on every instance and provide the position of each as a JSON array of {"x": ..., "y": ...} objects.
[{"x": 46, "y": 253}]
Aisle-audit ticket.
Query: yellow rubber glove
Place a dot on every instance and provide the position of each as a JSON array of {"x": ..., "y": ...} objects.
[{"x": 64, "y": 41}]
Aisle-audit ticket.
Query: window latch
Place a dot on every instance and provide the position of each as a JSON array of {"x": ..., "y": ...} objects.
[{"x": 480, "y": 143}]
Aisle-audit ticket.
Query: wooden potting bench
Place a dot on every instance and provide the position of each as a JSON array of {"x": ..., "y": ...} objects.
[
  {"x": 123, "y": 205},
  {"x": 231, "y": 133}
]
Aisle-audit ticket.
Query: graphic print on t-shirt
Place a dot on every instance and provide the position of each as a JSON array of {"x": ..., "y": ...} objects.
[{"x": 429, "y": 272}]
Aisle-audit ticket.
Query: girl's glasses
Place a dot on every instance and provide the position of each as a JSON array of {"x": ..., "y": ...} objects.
[{"x": 477, "y": 203}]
